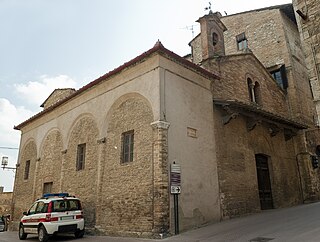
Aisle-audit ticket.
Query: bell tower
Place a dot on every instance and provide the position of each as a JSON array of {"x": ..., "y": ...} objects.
[{"x": 212, "y": 40}]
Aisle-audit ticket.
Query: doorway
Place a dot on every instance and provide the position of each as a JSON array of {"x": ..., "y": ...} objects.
[{"x": 264, "y": 184}]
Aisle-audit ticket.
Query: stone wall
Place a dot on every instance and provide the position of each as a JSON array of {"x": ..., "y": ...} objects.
[
  {"x": 309, "y": 172},
  {"x": 84, "y": 131},
  {"x": 274, "y": 40},
  {"x": 114, "y": 195},
  {"x": 126, "y": 189},
  {"x": 310, "y": 39},
  {"x": 130, "y": 199},
  {"x": 237, "y": 166},
  {"x": 23, "y": 193},
  {"x": 57, "y": 95},
  {"x": 239, "y": 144},
  {"x": 5, "y": 203},
  {"x": 264, "y": 33},
  {"x": 235, "y": 70}
]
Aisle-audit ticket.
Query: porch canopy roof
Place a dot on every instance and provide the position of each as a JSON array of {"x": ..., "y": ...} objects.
[{"x": 235, "y": 107}]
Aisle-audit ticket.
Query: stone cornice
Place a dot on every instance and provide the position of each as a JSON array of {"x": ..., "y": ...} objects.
[{"x": 160, "y": 124}]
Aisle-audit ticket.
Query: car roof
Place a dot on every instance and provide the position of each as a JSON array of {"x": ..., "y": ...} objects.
[{"x": 56, "y": 196}]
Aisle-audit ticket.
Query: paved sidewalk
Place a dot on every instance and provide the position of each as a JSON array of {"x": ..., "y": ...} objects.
[{"x": 297, "y": 224}]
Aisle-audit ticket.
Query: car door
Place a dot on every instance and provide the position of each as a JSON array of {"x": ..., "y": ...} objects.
[{"x": 30, "y": 222}]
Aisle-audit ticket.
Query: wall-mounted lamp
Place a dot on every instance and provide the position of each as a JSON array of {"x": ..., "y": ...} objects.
[{"x": 4, "y": 164}]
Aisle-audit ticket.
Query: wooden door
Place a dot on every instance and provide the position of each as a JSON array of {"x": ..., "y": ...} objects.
[{"x": 264, "y": 184}]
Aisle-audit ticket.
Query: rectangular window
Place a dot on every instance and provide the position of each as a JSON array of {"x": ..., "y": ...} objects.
[
  {"x": 47, "y": 187},
  {"x": 127, "y": 146},
  {"x": 280, "y": 76},
  {"x": 242, "y": 42},
  {"x": 81, "y": 156},
  {"x": 26, "y": 170},
  {"x": 42, "y": 207}
]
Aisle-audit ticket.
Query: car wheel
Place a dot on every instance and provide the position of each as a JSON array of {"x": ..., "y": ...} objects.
[
  {"x": 22, "y": 234},
  {"x": 42, "y": 234},
  {"x": 79, "y": 233}
]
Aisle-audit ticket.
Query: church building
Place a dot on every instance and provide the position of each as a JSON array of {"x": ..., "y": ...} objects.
[{"x": 226, "y": 131}]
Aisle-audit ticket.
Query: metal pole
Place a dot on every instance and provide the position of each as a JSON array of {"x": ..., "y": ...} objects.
[{"x": 176, "y": 213}]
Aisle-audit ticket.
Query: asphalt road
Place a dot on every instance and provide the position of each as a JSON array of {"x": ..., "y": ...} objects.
[{"x": 297, "y": 224}]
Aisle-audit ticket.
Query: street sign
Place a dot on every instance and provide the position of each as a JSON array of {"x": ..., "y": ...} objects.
[
  {"x": 175, "y": 189},
  {"x": 175, "y": 175}
]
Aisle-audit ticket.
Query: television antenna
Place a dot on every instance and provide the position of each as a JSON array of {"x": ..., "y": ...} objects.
[{"x": 190, "y": 27}]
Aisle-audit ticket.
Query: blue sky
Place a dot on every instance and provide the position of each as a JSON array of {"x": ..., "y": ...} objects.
[{"x": 49, "y": 44}]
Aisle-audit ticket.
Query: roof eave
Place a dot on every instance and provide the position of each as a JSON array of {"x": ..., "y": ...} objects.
[{"x": 157, "y": 48}]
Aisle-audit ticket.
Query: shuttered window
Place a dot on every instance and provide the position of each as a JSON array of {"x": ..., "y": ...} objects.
[
  {"x": 27, "y": 170},
  {"x": 81, "y": 156},
  {"x": 127, "y": 146},
  {"x": 242, "y": 42}
]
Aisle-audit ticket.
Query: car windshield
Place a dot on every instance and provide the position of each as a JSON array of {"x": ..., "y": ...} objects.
[{"x": 66, "y": 205}]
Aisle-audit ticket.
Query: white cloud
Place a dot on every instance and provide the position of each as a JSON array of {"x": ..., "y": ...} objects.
[
  {"x": 36, "y": 92},
  {"x": 10, "y": 115}
]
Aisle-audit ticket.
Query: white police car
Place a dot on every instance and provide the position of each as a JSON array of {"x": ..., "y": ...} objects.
[{"x": 52, "y": 214}]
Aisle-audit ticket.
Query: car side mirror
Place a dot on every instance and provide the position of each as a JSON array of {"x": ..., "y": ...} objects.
[{"x": 25, "y": 213}]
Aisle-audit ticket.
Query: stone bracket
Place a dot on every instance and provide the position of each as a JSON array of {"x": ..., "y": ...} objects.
[
  {"x": 289, "y": 134},
  {"x": 230, "y": 114},
  {"x": 227, "y": 118},
  {"x": 252, "y": 123},
  {"x": 273, "y": 130}
]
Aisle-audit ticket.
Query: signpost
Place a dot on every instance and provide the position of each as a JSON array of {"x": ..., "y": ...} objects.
[{"x": 175, "y": 184}]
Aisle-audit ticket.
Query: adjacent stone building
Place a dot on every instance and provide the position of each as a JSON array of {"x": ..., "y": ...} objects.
[
  {"x": 263, "y": 88},
  {"x": 237, "y": 117},
  {"x": 308, "y": 19},
  {"x": 5, "y": 202}
]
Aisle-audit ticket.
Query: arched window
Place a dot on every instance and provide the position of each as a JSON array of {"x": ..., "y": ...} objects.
[
  {"x": 254, "y": 91},
  {"x": 215, "y": 38},
  {"x": 250, "y": 90},
  {"x": 257, "y": 93}
]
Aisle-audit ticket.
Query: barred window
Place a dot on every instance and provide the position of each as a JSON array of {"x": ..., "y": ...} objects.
[
  {"x": 127, "y": 141},
  {"x": 81, "y": 156}
]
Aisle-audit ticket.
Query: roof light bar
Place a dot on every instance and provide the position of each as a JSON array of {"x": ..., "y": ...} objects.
[{"x": 62, "y": 194}]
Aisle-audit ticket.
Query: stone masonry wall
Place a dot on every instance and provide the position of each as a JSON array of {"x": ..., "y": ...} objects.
[
  {"x": 58, "y": 95},
  {"x": 233, "y": 85},
  {"x": 5, "y": 203},
  {"x": 48, "y": 168},
  {"x": 196, "y": 50},
  {"x": 237, "y": 167},
  {"x": 82, "y": 183},
  {"x": 23, "y": 190},
  {"x": 274, "y": 39},
  {"x": 310, "y": 37},
  {"x": 126, "y": 205}
]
